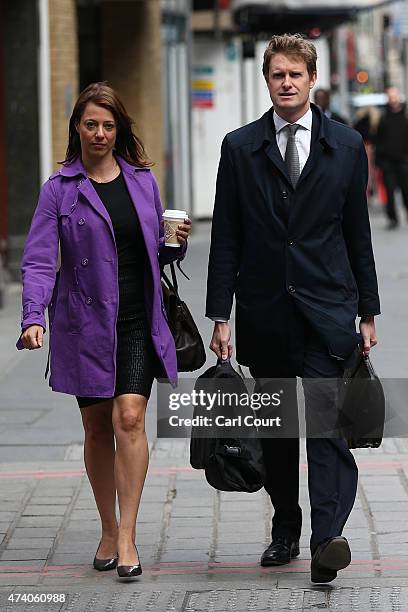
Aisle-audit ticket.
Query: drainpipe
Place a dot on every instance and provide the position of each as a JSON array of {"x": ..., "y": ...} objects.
[{"x": 44, "y": 93}]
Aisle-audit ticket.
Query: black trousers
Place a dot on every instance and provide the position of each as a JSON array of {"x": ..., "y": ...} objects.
[
  {"x": 332, "y": 471},
  {"x": 395, "y": 175}
]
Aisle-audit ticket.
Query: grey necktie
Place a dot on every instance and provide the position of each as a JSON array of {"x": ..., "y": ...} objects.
[{"x": 291, "y": 154}]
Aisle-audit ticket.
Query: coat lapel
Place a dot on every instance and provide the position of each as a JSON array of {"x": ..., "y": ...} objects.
[
  {"x": 322, "y": 142},
  {"x": 272, "y": 151},
  {"x": 265, "y": 141},
  {"x": 140, "y": 189},
  {"x": 87, "y": 190},
  {"x": 76, "y": 169},
  {"x": 316, "y": 150},
  {"x": 265, "y": 152}
]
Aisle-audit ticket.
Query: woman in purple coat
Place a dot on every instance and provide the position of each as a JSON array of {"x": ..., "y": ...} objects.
[{"x": 109, "y": 336}]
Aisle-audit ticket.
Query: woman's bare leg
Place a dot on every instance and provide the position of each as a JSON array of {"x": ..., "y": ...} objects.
[
  {"x": 131, "y": 461},
  {"x": 99, "y": 453}
]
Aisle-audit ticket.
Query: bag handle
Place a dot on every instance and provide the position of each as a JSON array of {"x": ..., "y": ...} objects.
[
  {"x": 178, "y": 264},
  {"x": 173, "y": 285},
  {"x": 226, "y": 364},
  {"x": 174, "y": 277}
]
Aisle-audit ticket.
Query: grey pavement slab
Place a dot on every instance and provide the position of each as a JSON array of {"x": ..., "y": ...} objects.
[
  {"x": 38, "y": 532},
  {"x": 24, "y": 554},
  {"x": 17, "y": 543},
  {"x": 40, "y": 521}
]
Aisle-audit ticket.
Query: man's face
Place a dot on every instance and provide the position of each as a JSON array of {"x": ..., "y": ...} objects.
[
  {"x": 289, "y": 85},
  {"x": 322, "y": 99},
  {"x": 393, "y": 97}
]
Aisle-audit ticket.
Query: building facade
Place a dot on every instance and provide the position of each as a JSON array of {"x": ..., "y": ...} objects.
[{"x": 49, "y": 51}]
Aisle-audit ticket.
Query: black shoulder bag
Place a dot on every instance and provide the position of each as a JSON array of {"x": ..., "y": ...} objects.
[
  {"x": 189, "y": 345},
  {"x": 230, "y": 463}
]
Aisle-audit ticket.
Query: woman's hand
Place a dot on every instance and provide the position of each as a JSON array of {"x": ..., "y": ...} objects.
[
  {"x": 32, "y": 337},
  {"x": 183, "y": 231}
]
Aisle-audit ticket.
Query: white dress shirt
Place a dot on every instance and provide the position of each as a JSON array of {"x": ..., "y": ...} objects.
[
  {"x": 303, "y": 139},
  {"x": 303, "y": 135}
]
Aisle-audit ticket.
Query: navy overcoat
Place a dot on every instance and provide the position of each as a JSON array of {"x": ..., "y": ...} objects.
[{"x": 291, "y": 255}]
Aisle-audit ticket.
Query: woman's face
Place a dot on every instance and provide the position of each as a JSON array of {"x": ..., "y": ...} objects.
[{"x": 97, "y": 131}]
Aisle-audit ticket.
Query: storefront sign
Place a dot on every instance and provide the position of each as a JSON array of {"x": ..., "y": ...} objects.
[{"x": 203, "y": 87}]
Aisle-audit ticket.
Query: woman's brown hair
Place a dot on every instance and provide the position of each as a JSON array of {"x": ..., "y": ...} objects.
[{"x": 127, "y": 144}]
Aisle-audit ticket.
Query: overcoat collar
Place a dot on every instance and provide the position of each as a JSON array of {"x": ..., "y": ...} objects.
[
  {"x": 265, "y": 131},
  {"x": 265, "y": 138},
  {"x": 76, "y": 167}
]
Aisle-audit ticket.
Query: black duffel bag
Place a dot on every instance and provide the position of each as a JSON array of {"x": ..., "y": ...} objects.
[
  {"x": 362, "y": 403},
  {"x": 230, "y": 463},
  {"x": 190, "y": 349}
]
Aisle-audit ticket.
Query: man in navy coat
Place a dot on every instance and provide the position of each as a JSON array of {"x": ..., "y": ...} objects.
[{"x": 291, "y": 241}]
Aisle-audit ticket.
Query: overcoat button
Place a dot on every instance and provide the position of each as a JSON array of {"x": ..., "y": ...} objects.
[
  {"x": 291, "y": 243},
  {"x": 291, "y": 289},
  {"x": 85, "y": 261},
  {"x": 89, "y": 300},
  {"x": 81, "y": 221},
  {"x": 284, "y": 194}
]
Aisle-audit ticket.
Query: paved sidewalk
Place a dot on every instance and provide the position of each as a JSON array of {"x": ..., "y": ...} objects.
[{"x": 199, "y": 548}]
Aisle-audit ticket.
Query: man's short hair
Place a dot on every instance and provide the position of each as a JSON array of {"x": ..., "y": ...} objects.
[{"x": 290, "y": 44}]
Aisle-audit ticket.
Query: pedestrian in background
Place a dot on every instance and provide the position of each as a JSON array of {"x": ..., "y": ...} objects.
[
  {"x": 109, "y": 336},
  {"x": 367, "y": 120},
  {"x": 291, "y": 240},
  {"x": 322, "y": 98},
  {"x": 392, "y": 153}
]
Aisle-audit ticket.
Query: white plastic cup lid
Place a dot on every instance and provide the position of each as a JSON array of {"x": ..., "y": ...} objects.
[{"x": 171, "y": 213}]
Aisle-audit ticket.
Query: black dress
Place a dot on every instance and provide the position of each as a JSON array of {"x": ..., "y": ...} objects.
[{"x": 136, "y": 360}]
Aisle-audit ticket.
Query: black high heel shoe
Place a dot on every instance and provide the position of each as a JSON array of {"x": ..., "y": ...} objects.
[
  {"x": 130, "y": 571},
  {"x": 104, "y": 565}
]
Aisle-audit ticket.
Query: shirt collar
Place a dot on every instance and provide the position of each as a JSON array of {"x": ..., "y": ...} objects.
[
  {"x": 264, "y": 129},
  {"x": 305, "y": 121}
]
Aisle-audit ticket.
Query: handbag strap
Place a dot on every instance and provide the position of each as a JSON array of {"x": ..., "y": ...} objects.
[
  {"x": 173, "y": 288},
  {"x": 173, "y": 285},
  {"x": 178, "y": 264},
  {"x": 174, "y": 277}
]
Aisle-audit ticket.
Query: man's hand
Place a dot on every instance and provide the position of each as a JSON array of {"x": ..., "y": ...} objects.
[
  {"x": 32, "y": 337},
  {"x": 220, "y": 342},
  {"x": 367, "y": 330}
]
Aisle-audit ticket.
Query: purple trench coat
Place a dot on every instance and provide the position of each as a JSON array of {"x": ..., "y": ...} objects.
[{"x": 82, "y": 299}]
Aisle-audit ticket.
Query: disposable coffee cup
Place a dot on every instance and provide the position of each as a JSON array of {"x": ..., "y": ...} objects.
[{"x": 172, "y": 219}]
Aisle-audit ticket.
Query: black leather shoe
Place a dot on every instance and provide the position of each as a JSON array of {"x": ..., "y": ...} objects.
[
  {"x": 104, "y": 565},
  {"x": 129, "y": 571},
  {"x": 280, "y": 551},
  {"x": 330, "y": 556}
]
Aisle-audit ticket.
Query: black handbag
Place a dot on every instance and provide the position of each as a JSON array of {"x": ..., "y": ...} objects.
[
  {"x": 189, "y": 344},
  {"x": 362, "y": 403},
  {"x": 230, "y": 463}
]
